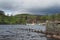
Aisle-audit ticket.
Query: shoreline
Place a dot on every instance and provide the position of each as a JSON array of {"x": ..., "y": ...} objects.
[
  {"x": 53, "y": 36},
  {"x": 49, "y": 35}
]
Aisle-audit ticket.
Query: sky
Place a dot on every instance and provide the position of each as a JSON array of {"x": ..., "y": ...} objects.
[{"x": 37, "y": 7}]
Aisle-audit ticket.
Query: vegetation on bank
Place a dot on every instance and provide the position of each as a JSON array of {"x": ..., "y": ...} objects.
[{"x": 24, "y": 18}]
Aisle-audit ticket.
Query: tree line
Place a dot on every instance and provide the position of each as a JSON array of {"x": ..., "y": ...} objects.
[{"x": 23, "y": 18}]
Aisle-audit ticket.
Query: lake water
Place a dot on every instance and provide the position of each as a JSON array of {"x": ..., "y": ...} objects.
[{"x": 21, "y": 32}]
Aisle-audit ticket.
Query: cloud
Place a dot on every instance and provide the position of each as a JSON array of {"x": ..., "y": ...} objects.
[
  {"x": 30, "y": 6},
  {"x": 50, "y": 10}
]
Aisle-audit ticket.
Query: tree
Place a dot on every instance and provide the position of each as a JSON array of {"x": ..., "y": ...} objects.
[{"x": 2, "y": 13}]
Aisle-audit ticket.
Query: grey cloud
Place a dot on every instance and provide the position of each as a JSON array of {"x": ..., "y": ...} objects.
[
  {"x": 50, "y": 10},
  {"x": 10, "y": 5},
  {"x": 31, "y": 6}
]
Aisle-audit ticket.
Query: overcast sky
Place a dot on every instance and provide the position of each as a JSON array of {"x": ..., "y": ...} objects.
[{"x": 30, "y": 6}]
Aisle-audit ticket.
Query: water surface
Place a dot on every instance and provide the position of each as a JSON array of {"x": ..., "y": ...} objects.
[{"x": 19, "y": 32}]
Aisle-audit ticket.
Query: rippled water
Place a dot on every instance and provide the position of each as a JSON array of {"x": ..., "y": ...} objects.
[{"x": 21, "y": 32}]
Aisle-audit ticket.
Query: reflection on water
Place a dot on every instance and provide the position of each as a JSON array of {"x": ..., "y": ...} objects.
[{"x": 20, "y": 32}]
